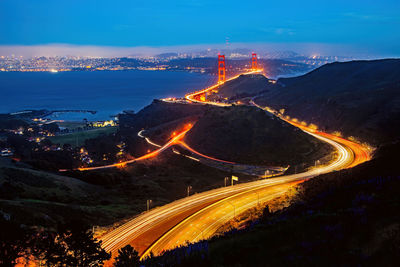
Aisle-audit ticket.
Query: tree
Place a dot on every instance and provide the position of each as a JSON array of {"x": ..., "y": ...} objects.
[
  {"x": 12, "y": 242},
  {"x": 74, "y": 245},
  {"x": 266, "y": 213},
  {"x": 127, "y": 257},
  {"x": 51, "y": 127}
]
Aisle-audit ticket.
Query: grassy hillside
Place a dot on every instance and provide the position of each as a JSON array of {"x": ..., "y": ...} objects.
[
  {"x": 79, "y": 138},
  {"x": 249, "y": 135},
  {"x": 40, "y": 198},
  {"x": 359, "y": 98}
]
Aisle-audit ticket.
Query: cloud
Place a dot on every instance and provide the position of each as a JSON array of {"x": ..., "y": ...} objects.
[
  {"x": 50, "y": 50},
  {"x": 277, "y": 30},
  {"x": 284, "y": 31},
  {"x": 370, "y": 17}
]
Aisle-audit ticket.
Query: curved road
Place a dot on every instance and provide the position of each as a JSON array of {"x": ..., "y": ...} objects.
[
  {"x": 200, "y": 215},
  {"x": 122, "y": 164}
]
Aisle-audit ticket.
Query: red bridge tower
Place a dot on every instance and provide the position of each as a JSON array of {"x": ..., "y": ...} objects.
[
  {"x": 221, "y": 68},
  {"x": 254, "y": 61}
]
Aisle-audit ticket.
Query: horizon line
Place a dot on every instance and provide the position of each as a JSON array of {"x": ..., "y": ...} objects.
[{"x": 87, "y": 50}]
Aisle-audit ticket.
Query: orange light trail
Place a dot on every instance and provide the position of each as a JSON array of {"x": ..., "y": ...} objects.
[
  {"x": 360, "y": 152},
  {"x": 190, "y": 97},
  {"x": 176, "y": 223},
  {"x": 202, "y": 155},
  {"x": 173, "y": 141}
]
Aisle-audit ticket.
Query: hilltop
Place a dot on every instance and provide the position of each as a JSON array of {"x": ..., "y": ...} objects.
[
  {"x": 242, "y": 87},
  {"x": 247, "y": 134},
  {"x": 157, "y": 113}
]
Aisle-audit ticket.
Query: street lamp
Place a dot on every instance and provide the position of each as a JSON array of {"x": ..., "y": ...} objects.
[
  {"x": 188, "y": 190},
  {"x": 234, "y": 178},
  {"x": 225, "y": 180},
  {"x": 149, "y": 201},
  {"x": 317, "y": 162}
]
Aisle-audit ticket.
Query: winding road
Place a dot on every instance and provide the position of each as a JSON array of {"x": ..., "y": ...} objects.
[{"x": 199, "y": 216}]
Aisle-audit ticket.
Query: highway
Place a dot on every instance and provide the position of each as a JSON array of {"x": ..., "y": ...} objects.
[
  {"x": 122, "y": 164},
  {"x": 261, "y": 171},
  {"x": 192, "y": 96},
  {"x": 200, "y": 215}
]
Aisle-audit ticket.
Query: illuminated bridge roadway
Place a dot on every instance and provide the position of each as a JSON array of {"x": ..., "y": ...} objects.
[{"x": 199, "y": 216}]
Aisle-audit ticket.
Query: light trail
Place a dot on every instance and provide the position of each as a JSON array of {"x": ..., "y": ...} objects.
[
  {"x": 274, "y": 170},
  {"x": 171, "y": 142},
  {"x": 170, "y": 225},
  {"x": 345, "y": 157},
  {"x": 140, "y": 134},
  {"x": 202, "y": 155},
  {"x": 190, "y": 97}
]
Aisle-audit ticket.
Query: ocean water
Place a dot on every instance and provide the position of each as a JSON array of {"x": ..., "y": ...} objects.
[{"x": 107, "y": 92}]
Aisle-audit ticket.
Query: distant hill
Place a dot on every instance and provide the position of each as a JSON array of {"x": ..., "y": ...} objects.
[
  {"x": 241, "y": 134},
  {"x": 357, "y": 98},
  {"x": 249, "y": 135},
  {"x": 157, "y": 113},
  {"x": 167, "y": 55},
  {"x": 242, "y": 87}
]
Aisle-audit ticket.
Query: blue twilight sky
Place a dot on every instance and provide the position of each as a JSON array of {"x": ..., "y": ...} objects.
[{"x": 372, "y": 26}]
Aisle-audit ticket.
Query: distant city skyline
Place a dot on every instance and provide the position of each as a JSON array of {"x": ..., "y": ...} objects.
[
  {"x": 361, "y": 28},
  {"x": 307, "y": 49}
]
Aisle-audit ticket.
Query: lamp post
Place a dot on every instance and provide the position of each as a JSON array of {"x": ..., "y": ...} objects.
[
  {"x": 234, "y": 178},
  {"x": 225, "y": 180},
  {"x": 188, "y": 190},
  {"x": 149, "y": 201},
  {"x": 317, "y": 161}
]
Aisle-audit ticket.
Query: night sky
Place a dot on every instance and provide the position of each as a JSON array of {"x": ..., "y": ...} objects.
[{"x": 370, "y": 25}]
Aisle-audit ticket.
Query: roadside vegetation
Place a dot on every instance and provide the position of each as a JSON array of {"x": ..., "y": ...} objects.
[{"x": 78, "y": 138}]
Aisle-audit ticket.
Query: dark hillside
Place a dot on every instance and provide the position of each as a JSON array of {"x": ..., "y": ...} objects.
[
  {"x": 157, "y": 113},
  {"x": 249, "y": 135},
  {"x": 347, "y": 218},
  {"x": 358, "y": 98},
  {"x": 243, "y": 86},
  {"x": 39, "y": 198}
]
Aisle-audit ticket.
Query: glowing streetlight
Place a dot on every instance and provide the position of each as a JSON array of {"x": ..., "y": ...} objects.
[
  {"x": 234, "y": 178},
  {"x": 316, "y": 162}
]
